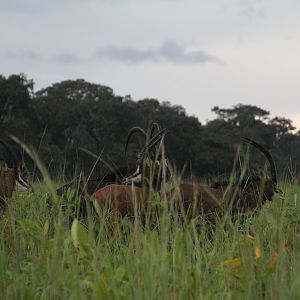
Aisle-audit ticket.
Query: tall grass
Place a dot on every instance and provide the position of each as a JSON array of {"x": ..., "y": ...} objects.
[
  {"x": 160, "y": 256},
  {"x": 43, "y": 257}
]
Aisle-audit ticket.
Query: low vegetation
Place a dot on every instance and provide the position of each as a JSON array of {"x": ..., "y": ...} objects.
[{"x": 44, "y": 255}]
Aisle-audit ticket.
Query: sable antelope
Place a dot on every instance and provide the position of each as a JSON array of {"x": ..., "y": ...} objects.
[
  {"x": 150, "y": 159},
  {"x": 148, "y": 136},
  {"x": 246, "y": 195},
  {"x": 257, "y": 189},
  {"x": 88, "y": 188},
  {"x": 121, "y": 197},
  {"x": 11, "y": 178},
  {"x": 113, "y": 185},
  {"x": 117, "y": 176}
]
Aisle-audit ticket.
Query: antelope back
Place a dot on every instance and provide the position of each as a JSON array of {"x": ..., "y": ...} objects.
[
  {"x": 120, "y": 198},
  {"x": 202, "y": 199}
]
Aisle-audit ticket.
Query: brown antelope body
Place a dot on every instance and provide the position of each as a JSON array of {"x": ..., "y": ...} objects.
[
  {"x": 134, "y": 194},
  {"x": 200, "y": 198},
  {"x": 250, "y": 194},
  {"x": 121, "y": 198},
  {"x": 204, "y": 199}
]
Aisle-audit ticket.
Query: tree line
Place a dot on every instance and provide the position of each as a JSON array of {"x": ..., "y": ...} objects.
[{"x": 69, "y": 120}]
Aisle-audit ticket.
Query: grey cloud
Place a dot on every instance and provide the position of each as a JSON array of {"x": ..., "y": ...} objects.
[
  {"x": 125, "y": 54},
  {"x": 23, "y": 54},
  {"x": 170, "y": 51},
  {"x": 30, "y": 55},
  {"x": 66, "y": 58},
  {"x": 174, "y": 52}
]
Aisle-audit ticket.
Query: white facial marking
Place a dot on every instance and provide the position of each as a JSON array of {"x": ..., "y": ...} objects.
[
  {"x": 137, "y": 179},
  {"x": 22, "y": 185}
]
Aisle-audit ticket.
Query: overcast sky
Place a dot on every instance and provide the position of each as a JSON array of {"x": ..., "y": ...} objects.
[{"x": 196, "y": 53}]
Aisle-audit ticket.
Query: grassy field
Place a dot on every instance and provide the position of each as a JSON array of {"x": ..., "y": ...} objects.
[{"x": 43, "y": 255}]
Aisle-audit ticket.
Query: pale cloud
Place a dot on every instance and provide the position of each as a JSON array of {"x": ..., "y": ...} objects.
[
  {"x": 170, "y": 51},
  {"x": 66, "y": 58}
]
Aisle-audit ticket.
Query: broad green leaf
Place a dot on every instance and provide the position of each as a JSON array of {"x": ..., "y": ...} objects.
[{"x": 80, "y": 238}]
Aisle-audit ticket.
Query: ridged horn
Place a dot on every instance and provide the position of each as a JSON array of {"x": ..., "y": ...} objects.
[
  {"x": 133, "y": 130},
  {"x": 267, "y": 155},
  {"x": 153, "y": 142},
  {"x": 153, "y": 127}
]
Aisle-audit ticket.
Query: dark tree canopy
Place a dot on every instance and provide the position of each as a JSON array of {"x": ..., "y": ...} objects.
[{"x": 67, "y": 117}]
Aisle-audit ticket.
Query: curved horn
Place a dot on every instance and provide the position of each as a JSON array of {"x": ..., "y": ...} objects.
[
  {"x": 153, "y": 127},
  {"x": 133, "y": 130},
  {"x": 152, "y": 130},
  {"x": 10, "y": 151},
  {"x": 154, "y": 140},
  {"x": 268, "y": 156},
  {"x": 157, "y": 138}
]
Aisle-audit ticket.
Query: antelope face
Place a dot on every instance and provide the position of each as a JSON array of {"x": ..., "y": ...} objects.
[
  {"x": 149, "y": 159},
  {"x": 135, "y": 178},
  {"x": 13, "y": 178},
  {"x": 22, "y": 185},
  {"x": 268, "y": 185}
]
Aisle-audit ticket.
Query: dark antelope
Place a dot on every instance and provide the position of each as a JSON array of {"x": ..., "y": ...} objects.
[
  {"x": 249, "y": 194},
  {"x": 122, "y": 197},
  {"x": 11, "y": 178},
  {"x": 117, "y": 176},
  {"x": 150, "y": 159}
]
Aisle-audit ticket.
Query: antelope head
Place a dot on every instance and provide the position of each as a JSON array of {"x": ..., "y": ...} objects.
[
  {"x": 11, "y": 178},
  {"x": 267, "y": 186},
  {"x": 252, "y": 191},
  {"x": 150, "y": 158}
]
